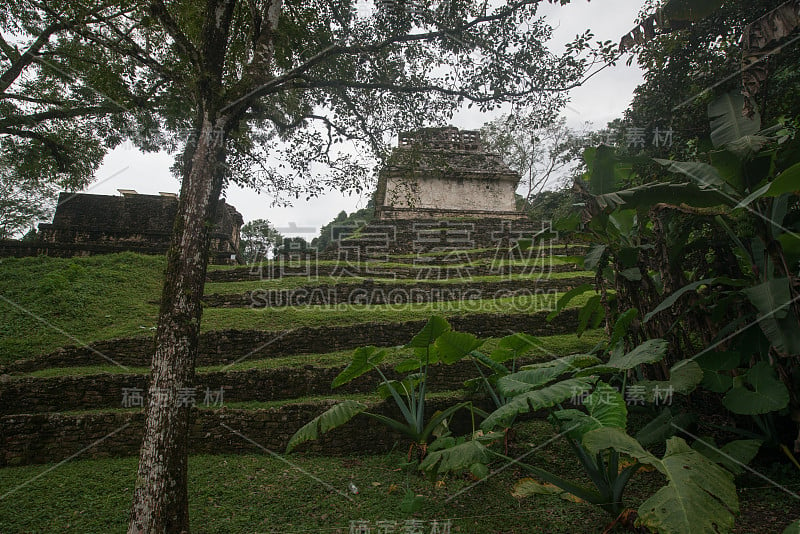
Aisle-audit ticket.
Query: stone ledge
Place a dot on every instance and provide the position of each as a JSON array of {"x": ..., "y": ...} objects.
[
  {"x": 226, "y": 346},
  {"x": 28, "y": 395},
  {"x": 43, "y": 438}
]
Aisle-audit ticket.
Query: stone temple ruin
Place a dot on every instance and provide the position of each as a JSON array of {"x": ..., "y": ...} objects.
[
  {"x": 439, "y": 191},
  {"x": 86, "y": 224},
  {"x": 444, "y": 172}
]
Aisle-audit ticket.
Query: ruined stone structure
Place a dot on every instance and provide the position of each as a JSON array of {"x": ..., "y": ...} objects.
[
  {"x": 87, "y": 224},
  {"x": 443, "y": 173}
]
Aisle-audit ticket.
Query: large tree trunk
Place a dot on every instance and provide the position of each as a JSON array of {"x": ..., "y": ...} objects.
[{"x": 160, "y": 501}]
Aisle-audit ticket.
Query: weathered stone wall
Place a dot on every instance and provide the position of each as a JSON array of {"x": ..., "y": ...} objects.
[
  {"x": 28, "y": 395},
  {"x": 85, "y": 225},
  {"x": 226, "y": 346},
  {"x": 420, "y": 236},
  {"x": 418, "y": 194},
  {"x": 440, "y": 172},
  {"x": 44, "y": 438}
]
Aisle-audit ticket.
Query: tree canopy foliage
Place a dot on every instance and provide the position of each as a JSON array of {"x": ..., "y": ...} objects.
[{"x": 685, "y": 69}]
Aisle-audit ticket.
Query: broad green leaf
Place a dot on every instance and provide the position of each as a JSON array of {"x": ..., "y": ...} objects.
[
  {"x": 546, "y": 397},
  {"x": 364, "y": 360},
  {"x": 727, "y": 122},
  {"x": 684, "y": 377},
  {"x": 702, "y": 173},
  {"x": 712, "y": 363},
  {"x": 623, "y": 221},
  {"x": 673, "y": 298},
  {"x": 646, "y": 196},
  {"x": 633, "y": 274},
  {"x": 456, "y": 458},
  {"x": 435, "y": 327},
  {"x": 758, "y": 193},
  {"x": 529, "y": 379},
  {"x": 794, "y": 528},
  {"x": 729, "y": 166},
  {"x": 593, "y": 257},
  {"x": 622, "y": 324},
  {"x": 770, "y": 298},
  {"x": 567, "y": 297},
  {"x": 768, "y": 393},
  {"x": 601, "y": 176},
  {"x": 494, "y": 360},
  {"x": 718, "y": 361},
  {"x": 786, "y": 182},
  {"x": 610, "y": 437},
  {"x": 453, "y": 346},
  {"x": 479, "y": 470},
  {"x": 650, "y": 351},
  {"x": 605, "y": 406},
  {"x": 574, "y": 361},
  {"x": 790, "y": 243},
  {"x": 591, "y": 313},
  {"x": 733, "y": 456},
  {"x": 500, "y": 355},
  {"x": 663, "y": 427},
  {"x": 520, "y": 343},
  {"x": 748, "y": 145},
  {"x": 328, "y": 420},
  {"x": 700, "y": 496}
]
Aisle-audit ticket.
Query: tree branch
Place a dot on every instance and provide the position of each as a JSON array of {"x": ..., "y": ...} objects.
[
  {"x": 159, "y": 10},
  {"x": 27, "y": 57},
  {"x": 248, "y": 93},
  {"x": 36, "y": 118}
]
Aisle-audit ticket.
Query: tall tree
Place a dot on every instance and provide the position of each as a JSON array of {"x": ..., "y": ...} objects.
[
  {"x": 543, "y": 152},
  {"x": 63, "y": 102},
  {"x": 258, "y": 237},
  {"x": 267, "y": 91}
]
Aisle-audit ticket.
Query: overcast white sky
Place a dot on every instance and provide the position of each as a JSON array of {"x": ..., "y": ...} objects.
[{"x": 602, "y": 99}]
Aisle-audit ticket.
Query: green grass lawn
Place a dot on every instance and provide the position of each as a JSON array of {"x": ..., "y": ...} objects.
[
  {"x": 47, "y": 303},
  {"x": 291, "y": 282},
  {"x": 346, "y": 314},
  {"x": 308, "y": 493},
  {"x": 262, "y": 493}
]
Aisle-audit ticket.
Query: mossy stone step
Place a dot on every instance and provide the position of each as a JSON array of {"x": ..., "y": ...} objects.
[{"x": 52, "y": 437}]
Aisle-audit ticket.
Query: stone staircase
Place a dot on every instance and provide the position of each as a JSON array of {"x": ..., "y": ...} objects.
[{"x": 264, "y": 384}]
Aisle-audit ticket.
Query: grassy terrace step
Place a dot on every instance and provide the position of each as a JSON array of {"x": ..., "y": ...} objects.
[
  {"x": 378, "y": 292},
  {"x": 261, "y": 381},
  {"x": 40, "y": 438},
  {"x": 454, "y": 277},
  {"x": 419, "y": 270},
  {"x": 48, "y": 303},
  {"x": 549, "y": 345},
  {"x": 231, "y": 345}
]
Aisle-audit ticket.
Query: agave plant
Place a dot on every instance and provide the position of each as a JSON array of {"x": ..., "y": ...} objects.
[{"x": 434, "y": 344}]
